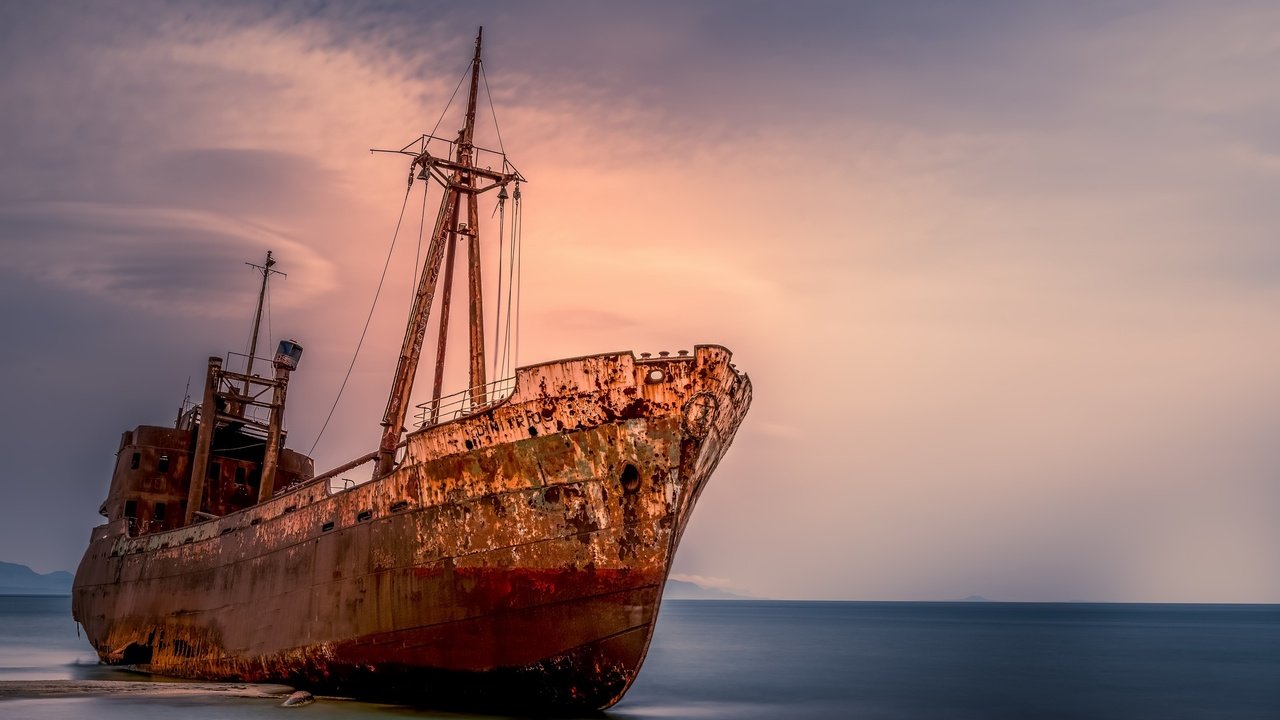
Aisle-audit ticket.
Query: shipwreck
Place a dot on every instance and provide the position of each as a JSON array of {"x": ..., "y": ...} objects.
[{"x": 508, "y": 552}]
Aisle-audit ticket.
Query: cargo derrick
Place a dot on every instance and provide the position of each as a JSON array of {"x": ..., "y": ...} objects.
[{"x": 509, "y": 553}]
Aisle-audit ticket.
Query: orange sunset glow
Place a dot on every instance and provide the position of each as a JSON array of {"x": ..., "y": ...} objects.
[{"x": 1004, "y": 280}]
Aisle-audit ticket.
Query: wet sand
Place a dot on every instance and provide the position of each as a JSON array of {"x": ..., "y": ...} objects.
[{"x": 48, "y": 689}]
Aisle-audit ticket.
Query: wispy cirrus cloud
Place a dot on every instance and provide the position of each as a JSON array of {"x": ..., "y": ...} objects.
[{"x": 163, "y": 260}]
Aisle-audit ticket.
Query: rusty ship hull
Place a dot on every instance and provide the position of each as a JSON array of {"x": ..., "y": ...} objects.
[{"x": 514, "y": 558}]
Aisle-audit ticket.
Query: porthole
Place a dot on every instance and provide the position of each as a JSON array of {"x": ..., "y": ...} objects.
[
  {"x": 630, "y": 479},
  {"x": 655, "y": 376}
]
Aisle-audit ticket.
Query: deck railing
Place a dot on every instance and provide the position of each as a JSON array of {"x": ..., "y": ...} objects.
[{"x": 460, "y": 404}]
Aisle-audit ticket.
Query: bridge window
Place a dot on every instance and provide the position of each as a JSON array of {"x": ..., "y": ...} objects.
[
  {"x": 158, "y": 514},
  {"x": 136, "y": 461},
  {"x": 163, "y": 465},
  {"x": 131, "y": 509}
]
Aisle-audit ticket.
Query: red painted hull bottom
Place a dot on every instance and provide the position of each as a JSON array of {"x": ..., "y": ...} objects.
[
  {"x": 612, "y": 631},
  {"x": 552, "y": 641},
  {"x": 582, "y": 680}
]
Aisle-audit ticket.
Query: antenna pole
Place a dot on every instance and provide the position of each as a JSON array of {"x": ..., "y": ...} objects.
[{"x": 267, "y": 272}]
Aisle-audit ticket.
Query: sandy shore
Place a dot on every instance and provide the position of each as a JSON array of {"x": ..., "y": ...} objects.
[{"x": 44, "y": 689}]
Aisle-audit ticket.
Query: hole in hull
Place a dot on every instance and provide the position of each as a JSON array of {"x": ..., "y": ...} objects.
[
  {"x": 630, "y": 479},
  {"x": 136, "y": 654}
]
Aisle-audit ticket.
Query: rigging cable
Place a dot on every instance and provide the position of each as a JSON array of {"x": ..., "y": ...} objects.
[
  {"x": 248, "y": 350},
  {"x": 267, "y": 282},
  {"x": 270, "y": 335},
  {"x": 368, "y": 319},
  {"x": 517, "y": 239},
  {"x": 497, "y": 319},
  {"x": 422, "y": 222},
  {"x": 511, "y": 264},
  {"x": 387, "y": 264},
  {"x": 497, "y": 316},
  {"x": 446, "y": 106},
  {"x": 492, "y": 111}
]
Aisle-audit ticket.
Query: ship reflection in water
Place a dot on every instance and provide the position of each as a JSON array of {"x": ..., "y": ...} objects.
[{"x": 740, "y": 659}]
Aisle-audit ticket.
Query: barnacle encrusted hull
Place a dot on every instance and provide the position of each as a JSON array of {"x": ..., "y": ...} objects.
[{"x": 515, "y": 557}]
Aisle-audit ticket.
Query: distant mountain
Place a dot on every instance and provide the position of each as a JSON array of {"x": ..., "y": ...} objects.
[
  {"x": 974, "y": 598},
  {"x": 18, "y": 579},
  {"x": 684, "y": 590},
  {"x": 21, "y": 580}
]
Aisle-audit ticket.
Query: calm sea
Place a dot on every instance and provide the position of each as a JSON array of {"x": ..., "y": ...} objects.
[{"x": 910, "y": 661}]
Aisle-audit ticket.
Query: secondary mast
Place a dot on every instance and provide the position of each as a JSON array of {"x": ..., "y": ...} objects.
[
  {"x": 460, "y": 178},
  {"x": 267, "y": 272}
]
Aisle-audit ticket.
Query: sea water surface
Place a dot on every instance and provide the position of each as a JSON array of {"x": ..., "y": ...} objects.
[{"x": 763, "y": 659}]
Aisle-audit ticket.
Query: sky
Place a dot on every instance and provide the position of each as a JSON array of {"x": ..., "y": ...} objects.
[{"x": 1003, "y": 274}]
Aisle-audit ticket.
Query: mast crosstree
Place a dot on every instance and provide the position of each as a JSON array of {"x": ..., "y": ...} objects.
[{"x": 463, "y": 182}]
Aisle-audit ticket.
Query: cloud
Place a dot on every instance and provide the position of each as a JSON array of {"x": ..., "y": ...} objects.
[
  {"x": 1001, "y": 273},
  {"x": 160, "y": 259}
]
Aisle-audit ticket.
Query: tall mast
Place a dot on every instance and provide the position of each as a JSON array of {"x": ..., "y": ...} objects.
[
  {"x": 466, "y": 157},
  {"x": 446, "y": 227},
  {"x": 460, "y": 176}
]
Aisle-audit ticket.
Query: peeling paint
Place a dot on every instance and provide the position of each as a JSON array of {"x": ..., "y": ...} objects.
[{"x": 528, "y": 566}]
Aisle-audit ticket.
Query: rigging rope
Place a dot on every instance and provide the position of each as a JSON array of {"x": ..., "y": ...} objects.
[
  {"x": 517, "y": 239},
  {"x": 446, "y": 105},
  {"x": 248, "y": 350},
  {"x": 510, "y": 353},
  {"x": 270, "y": 334},
  {"x": 497, "y": 317},
  {"x": 266, "y": 283},
  {"x": 511, "y": 264},
  {"x": 368, "y": 319},
  {"x": 422, "y": 221},
  {"x": 492, "y": 111}
]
